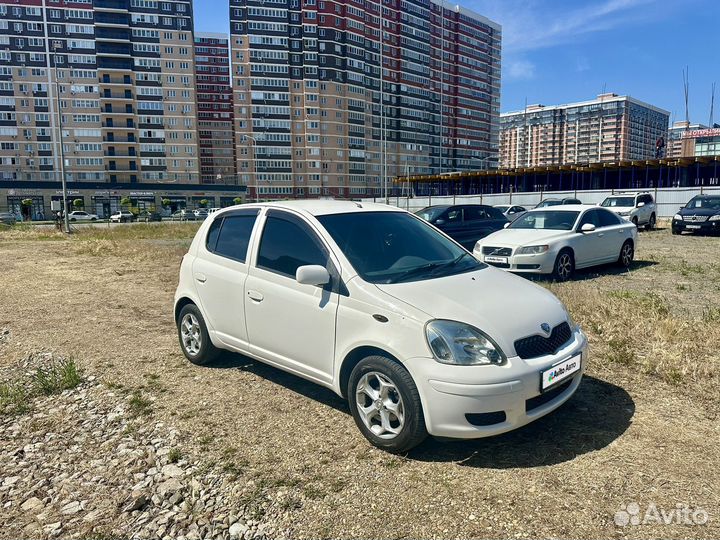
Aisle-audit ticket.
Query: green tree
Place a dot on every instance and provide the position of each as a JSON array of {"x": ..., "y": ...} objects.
[
  {"x": 203, "y": 203},
  {"x": 125, "y": 201},
  {"x": 166, "y": 202},
  {"x": 237, "y": 200},
  {"x": 78, "y": 203},
  {"x": 26, "y": 203}
]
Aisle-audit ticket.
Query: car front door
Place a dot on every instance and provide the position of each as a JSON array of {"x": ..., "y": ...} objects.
[
  {"x": 219, "y": 273},
  {"x": 590, "y": 247},
  {"x": 290, "y": 324}
]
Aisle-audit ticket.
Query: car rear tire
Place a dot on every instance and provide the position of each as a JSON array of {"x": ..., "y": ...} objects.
[
  {"x": 385, "y": 404},
  {"x": 651, "y": 224},
  {"x": 627, "y": 254},
  {"x": 564, "y": 265},
  {"x": 194, "y": 339}
]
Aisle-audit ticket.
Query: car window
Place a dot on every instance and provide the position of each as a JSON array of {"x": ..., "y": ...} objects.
[
  {"x": 477, "y": 213},
  {"x": 546, "y": 219},
  {"x": 230, "y": 236},
  {"x": 647, "y": 199},
  {"x": 608, "y": 219},
  {"x": 454, "y": 215},
  {"x": 591, "y": 216},
  {"x": 286, "y": 245}
]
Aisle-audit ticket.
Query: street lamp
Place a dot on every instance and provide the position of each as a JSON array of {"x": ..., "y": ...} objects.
[
  {"x": 60, "y": 139},
  {"x": 255, "y": 170}
]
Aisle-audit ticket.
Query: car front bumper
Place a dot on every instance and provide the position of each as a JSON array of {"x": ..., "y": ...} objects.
[
  {"x": 542, "y": 263},
  {"x": 690, "y": 226},
  {"x": 462, "y": 406}
]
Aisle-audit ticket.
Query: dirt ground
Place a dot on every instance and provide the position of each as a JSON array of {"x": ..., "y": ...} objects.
[{"x": 643, "y": 427}]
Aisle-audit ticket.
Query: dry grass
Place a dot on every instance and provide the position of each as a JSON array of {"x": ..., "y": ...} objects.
[{"x": 643, "y": 426}]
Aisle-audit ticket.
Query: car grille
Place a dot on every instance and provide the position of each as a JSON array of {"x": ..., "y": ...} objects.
[
  {"x": 498, "y": 251},
  {"x": 534, "y": 346},
  {"x": 547, "y": 397},
  {"x": 696, "y": 219}
]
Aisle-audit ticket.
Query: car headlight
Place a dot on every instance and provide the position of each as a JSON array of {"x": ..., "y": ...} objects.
[
  {"x": 532, "y": 250},
  {"x": 677, "y": 217},
  {"x": 460, "y": 344},
  {"x": 623, "y": 213},
  {"x": 714, "y": 218}
]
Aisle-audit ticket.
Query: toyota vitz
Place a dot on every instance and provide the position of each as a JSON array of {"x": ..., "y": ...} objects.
[{"x": 373, "y": 302}]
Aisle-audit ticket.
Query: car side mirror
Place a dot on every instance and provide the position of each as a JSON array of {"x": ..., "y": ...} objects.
[
  {"x": 506, "y": 225},
  {"x": 439, "y": 222},
  {"x": 640, "y": 204},
  {"x": 312, "y": 274},
  {"x": 588, "y": 227}
]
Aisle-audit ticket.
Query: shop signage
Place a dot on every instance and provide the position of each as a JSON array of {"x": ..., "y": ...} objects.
[
  {"x": 142, "y": 193},
  {"x": 697, "y": 133}
]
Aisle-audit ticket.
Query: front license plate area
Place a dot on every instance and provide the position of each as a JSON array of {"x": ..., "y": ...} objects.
[
  {"x": 560, "y": 372},
  {"x": 692, "y": 226},
  {"x": 493, "y": 259}
]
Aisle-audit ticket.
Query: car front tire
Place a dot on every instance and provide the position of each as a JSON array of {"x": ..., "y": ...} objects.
[
  {"x": 635, "y": 221},
  {"x": 385, "y": 404},
  {"x": 564, "y": 266},
  {"x": 194, "y": 339}
]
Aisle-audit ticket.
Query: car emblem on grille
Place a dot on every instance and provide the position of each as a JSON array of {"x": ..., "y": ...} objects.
[{"x": 545, "y": 327}]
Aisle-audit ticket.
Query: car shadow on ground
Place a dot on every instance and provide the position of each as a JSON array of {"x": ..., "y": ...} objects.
[
  {"x": 594, "y": 417},
  {"x": 595, "y": 272}
]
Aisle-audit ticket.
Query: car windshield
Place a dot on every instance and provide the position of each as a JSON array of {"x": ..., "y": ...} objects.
[
  {"x": 502, "y": 208},
  {"x": 708, "y": 203},
  {"x": 393, "y": 247},
  {"x": 553, "y": 202},
  {"x": 548, "y": 219},
  {"x": 431, "y": 213},
  {"x": 610, "y": 202}
]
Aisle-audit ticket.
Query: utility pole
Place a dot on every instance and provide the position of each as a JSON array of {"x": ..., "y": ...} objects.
[
  {"x": 62, "y": 158},
  {"x": 383, "y": 135},
  {"x": 255, "y": 169}
]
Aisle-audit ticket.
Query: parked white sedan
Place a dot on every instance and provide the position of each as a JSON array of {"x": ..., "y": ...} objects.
[{"x": 560, "y": 239}]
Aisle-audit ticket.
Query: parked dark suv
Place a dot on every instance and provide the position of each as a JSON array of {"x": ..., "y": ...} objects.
[
  {"x": 700, "y": 215},
  {"x": 465, "y": 223}
]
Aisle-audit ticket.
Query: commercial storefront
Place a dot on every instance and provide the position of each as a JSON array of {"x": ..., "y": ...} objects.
[{"x": 104, "y": 201}]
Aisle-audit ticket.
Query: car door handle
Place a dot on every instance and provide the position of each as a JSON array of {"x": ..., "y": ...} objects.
[
  {"x": 255, "y": 296},
  {"x": 600, "y": 235},
  {"x": 202, "y": 278}
]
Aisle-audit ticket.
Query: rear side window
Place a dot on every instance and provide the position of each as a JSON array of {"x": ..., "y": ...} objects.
[
  {"x": 230, "y": 236},
  {"x": 286, "y": 245},
  {"x": 607, "y": 218}
]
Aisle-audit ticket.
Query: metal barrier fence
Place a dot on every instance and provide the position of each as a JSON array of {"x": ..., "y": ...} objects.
[{"x": 668, "y": 200}]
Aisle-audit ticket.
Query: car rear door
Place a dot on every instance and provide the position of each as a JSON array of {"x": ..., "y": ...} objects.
[
  {"x": 219, "y": 272},
  {"x": 616, "y": 232},
  {"x": 290, "y": 324}
]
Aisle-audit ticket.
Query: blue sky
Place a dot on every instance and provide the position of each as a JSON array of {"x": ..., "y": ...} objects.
[{"x": 569, "y": 50}]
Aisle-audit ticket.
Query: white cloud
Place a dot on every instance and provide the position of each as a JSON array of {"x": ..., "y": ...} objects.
[
  {"x": 535, "y": 24},
  {"x": 520, "y": 69}
]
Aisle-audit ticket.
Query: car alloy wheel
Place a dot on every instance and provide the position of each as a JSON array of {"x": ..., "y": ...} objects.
[
  {"x": 564, "y": 266},
  {"x": 191, "y": 334},
  {"x": 626, "y": 254},
  {"x": 380, "y": 405}
]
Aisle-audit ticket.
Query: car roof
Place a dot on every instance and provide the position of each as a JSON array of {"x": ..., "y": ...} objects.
[
  {"x": 321, "y": 207},
  {"x": 565, "y": 208}
]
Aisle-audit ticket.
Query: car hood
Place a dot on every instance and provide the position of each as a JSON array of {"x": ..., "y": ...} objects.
[
  {"x": 521, "y": 237},
  {"x": 618, "y": 209},
  {"x": 504, "y": 306},
  {"x": 698, "y": 212}
]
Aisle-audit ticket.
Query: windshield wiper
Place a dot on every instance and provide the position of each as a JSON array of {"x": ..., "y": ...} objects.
[
  {"x": 430, "y": 267},
  {"x": 415, "y": 271}
]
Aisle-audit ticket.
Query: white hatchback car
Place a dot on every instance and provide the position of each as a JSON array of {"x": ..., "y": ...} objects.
[
  {"x": 558, "y": 239},
  {"x": 387, "y": 311}
]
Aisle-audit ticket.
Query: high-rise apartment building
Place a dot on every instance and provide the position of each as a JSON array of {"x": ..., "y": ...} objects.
[
  {"x": 102, "y": 88},
  {"x": 312, "y": 117},
  {"x": 610, "y": 128},
  {"x": 216, "y": 128}
]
